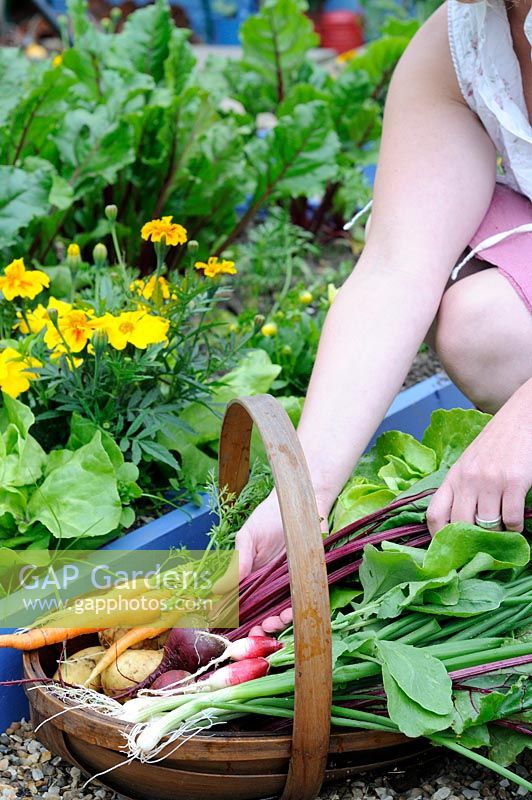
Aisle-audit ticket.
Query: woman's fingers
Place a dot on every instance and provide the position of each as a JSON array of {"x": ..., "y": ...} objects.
[
  {"x": 489, "y": 504},
  {"x": 513, "y": 508},
  {"x": 439, "y": 510}
]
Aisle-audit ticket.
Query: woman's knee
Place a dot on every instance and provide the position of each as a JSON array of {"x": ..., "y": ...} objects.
[{"x": 483, "y": 337}]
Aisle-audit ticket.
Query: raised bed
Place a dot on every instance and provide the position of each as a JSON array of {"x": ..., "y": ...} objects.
[{"x": 410, "y": 412}]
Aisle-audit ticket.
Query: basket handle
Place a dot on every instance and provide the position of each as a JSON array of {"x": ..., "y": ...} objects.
[{"x": 307, "y": 571}]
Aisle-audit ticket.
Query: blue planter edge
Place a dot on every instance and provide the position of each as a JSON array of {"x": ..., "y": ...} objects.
[{"x": 409, "y": 412}]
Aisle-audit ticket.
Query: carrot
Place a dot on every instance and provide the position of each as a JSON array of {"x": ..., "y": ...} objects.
[
  {"x": 132, "y": 637},
  {"x": 41, "y": 637}
]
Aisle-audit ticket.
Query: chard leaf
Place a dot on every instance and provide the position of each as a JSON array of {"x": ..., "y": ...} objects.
[
  {"x": 297, "y": 157},
  {"x": 144, "y": 43},
  {"x": 275, "y": 43},
  {"x": 507, "y": 695},
  {"x": 507, "y": 745},
  {"x": 451, "y": 432},
  {"x": 23, "y": 198}
]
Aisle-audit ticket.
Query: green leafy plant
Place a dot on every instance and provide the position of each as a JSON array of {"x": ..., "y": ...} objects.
[
  {"x": 48, "y": 499},
  {"x": 125, "y": 118}
]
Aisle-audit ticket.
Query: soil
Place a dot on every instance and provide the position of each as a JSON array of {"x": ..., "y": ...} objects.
[{"x": 426, "y": 364}]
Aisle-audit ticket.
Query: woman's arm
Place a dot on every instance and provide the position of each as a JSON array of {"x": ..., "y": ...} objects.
[{"x": 434, "y": 184}]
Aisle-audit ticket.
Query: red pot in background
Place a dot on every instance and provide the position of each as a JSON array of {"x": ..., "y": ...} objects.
[{"x": 340, "y": 30}]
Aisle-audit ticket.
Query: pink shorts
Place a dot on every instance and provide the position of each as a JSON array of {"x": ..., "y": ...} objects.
[{"x": 513, "y": 256}]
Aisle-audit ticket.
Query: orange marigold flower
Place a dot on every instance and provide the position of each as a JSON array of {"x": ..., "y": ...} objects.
[{"x": 174, "y": 234}]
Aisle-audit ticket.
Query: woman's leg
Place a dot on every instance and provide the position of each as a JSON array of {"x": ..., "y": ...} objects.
[{"x": 483, "y": 337}]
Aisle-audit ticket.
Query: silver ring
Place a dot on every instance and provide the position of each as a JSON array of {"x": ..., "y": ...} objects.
[{"x": 488, "y": 524}]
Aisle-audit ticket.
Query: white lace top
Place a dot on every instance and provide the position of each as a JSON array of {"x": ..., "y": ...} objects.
[
  {"x": 489, "y": 76},
  {"x": 490, "y": 79}
]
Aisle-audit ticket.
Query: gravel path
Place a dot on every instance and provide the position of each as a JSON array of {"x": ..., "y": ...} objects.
[{"x": 28, "y": 770}]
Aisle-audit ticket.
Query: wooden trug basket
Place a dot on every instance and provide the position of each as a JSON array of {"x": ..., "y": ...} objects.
[{"x": 228, "y": 765}]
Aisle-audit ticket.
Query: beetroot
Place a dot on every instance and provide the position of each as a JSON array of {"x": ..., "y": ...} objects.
[{"x": 175, "y": 677}]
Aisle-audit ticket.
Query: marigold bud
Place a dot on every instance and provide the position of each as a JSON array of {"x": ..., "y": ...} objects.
[
  {"x": 106, "y": 24},
  {"x": 287, "y": 350},
  {"x": 305, "y": 297},
  {"x": 99, "y": 340},
  {"x": 258, "y": 320},
  {"x": 73, "y": 256},
  {"x": 111, "y": 212},
  {"x": 192, "y": 245},
  {"x": 53, "y": 315},
  {"x": 99, "y": 254},
  {"x": 269, "y": 329},
  {"x": 115, "y": 13}
]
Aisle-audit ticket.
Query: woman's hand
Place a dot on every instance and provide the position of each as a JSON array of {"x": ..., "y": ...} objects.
[
  {"x": 258, "y": 542},
  {"x": 494, "y": 474}
]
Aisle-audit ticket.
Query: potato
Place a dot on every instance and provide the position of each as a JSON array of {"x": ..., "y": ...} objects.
[
  {"x": 130, "y": 668},
  {"x": 77, "y": 668},
  {"x": 110, "y": 635}
]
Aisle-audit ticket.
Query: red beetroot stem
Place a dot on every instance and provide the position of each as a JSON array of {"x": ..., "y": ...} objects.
[
  {"x": 514, "y": 726},
  {"x": 376, "y": 516},
  {"x": 483, "y": 669},
  {"x": 261, "y": 597},
  {"x": 275, "y": 605}
]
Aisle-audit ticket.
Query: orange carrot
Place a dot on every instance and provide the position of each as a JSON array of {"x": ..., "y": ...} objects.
[
  {"x": 132, "y": 637},
  {"x": 41, "y": 637}
]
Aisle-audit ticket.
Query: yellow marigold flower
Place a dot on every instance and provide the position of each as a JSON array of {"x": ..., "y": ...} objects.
[
  {"x": 39, "y": 318},
  {"x": 57, "y": 60},
  {"x": 14, "y": 375},
  {"x": 174, "y": 234},
  {"x": 76, "y": 329},
  {"x": 215, "y": 266},
  {"x": 20, "y": 282},
  {"x": 147, "y": 288},
  {"x": 269, "y": 329},
  {"x": 133, "y": 327}
]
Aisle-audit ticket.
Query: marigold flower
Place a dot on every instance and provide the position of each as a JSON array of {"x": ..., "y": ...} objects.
[
  {"x": 57, "y": 60},
  {"x": 174, "y": 234},
  {"x": 75, "y": 329},
  {"x": 215, "y": 266},
  {"x": 20, "y": 282},
  {"x": 269, "y": 329},
  {"x": 133, "y": 327},
  {"x": 147, "y": 288},
  {"x": 14, "y": 375},
  {"x": 39, "y": 317}
]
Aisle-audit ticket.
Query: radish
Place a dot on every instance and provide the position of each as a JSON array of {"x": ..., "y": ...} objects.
[
  {"x": 242, "y": 671},
  {"x": 252, "y": 647}
]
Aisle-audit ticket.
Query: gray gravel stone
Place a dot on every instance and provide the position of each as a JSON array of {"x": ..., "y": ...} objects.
[{"x": 28, "y": 770}]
